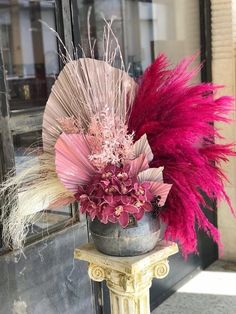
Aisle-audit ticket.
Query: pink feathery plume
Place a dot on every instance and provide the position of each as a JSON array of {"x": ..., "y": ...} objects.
[{"x": 177, "y": 118}]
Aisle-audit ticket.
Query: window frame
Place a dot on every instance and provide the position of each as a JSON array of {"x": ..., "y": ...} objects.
[{"x": 12, "y": 121}]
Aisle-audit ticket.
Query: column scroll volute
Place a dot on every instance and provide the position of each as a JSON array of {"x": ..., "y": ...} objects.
[
  {"x": 96, "y": 273},
  {"x": 161, "y": 269}
]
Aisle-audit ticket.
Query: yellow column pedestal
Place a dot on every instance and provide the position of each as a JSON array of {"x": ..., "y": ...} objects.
[{"x": 128, "y": 278}]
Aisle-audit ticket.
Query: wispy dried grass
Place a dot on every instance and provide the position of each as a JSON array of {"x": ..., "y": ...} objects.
[{"x": 27, "y": 193}]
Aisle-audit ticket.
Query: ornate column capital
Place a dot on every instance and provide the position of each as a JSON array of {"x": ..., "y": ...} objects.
[{"x": 128, "y": 278}]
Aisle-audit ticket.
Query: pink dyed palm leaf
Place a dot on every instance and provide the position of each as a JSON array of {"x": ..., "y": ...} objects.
[
  {"x": 137, "y": 165},
  {"x": 72, "y": 161},
  {"x": 160, "y": 190}
]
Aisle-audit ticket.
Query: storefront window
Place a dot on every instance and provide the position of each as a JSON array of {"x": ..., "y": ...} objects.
[
  {"x": 29, "y": 51},
  {"x": 31, "y": 62},
  {"x": 145, "y": 28}
]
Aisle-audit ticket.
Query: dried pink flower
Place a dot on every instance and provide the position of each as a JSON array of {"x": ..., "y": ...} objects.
[
  {"x": 109, "y": 141},
  {"x": 70, "y": 125}
]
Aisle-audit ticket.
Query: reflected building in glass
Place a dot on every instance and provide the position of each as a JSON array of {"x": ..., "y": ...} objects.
[{"x": 29, "y": 51}]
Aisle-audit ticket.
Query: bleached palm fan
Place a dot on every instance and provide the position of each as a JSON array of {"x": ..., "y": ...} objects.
[{"x": 84, "y": 88}]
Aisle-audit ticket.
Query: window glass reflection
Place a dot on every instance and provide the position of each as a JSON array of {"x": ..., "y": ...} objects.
[
  {"x": 29, "y": 51},
  {"x": 145, "y": 28}
]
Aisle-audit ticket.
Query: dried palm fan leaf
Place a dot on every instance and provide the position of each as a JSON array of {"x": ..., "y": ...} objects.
[{"x": 84, "y": 88}]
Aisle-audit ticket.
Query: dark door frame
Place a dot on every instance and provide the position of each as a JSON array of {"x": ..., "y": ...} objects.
[
  {"x": 205, "y": 37},
  {"x": 208, "y": 250}
]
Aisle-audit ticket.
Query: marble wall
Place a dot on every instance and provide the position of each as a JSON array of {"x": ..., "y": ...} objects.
[
  {"x": 45, "y": 278},
  {"x": 223, "y": 70}
]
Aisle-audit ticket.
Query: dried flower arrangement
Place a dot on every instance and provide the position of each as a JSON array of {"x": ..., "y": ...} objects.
[
  {"x": 116, "y": 146},
  {"x": 108, "y": 173}
]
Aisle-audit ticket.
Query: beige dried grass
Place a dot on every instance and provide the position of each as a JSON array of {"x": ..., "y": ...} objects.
[{"x": 34, "y": 189}]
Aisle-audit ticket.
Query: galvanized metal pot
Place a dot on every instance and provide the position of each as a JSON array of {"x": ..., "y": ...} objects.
[{"x": 137, "y": 238}]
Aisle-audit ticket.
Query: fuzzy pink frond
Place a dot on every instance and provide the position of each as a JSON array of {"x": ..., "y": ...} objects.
[{"x": 178, "y": 118}]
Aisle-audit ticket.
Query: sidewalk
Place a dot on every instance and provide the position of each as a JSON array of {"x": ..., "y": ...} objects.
[{"x": 212, "y": 291}]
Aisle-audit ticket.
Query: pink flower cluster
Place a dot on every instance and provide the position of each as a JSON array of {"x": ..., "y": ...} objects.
[
  {"x": 109, "y": 141},
  {"x": 70, "y": 125},
  {"x": 113, "y": 195}
]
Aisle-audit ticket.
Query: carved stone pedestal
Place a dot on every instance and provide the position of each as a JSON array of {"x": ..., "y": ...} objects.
[{"x": 128, "y": 278}]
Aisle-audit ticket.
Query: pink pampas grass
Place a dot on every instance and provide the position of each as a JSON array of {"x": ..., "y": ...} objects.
[{"x": 177, "y": 118}]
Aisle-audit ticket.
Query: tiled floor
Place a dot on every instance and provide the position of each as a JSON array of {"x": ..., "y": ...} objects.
[{"x": 212, "y": 291}]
